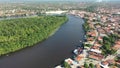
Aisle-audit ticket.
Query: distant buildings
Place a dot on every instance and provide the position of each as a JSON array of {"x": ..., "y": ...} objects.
[
  {"x": 101, "y": 24},
  {"x": 55, "y": 12}
]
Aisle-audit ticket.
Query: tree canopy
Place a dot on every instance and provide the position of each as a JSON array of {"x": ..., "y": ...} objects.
[{"x": 19, "y": 33}]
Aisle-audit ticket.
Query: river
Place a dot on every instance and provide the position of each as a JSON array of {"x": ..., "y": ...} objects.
[{"x": 50, "y": 52}]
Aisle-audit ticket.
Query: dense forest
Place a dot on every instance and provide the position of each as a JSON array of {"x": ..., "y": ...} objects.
[{"x": 16, "y": 34}]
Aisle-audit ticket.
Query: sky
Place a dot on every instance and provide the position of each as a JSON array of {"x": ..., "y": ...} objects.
[{"x": 53, "y": 0}]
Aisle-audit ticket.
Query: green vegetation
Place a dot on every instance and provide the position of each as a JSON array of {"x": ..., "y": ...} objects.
[
  {"x": 87, "y": 45},
  {"x": 117, "y": 58},
  {"x": 66, "y": 65},
  {"x": 91, "y": 8},
  {"x": 86, "y": 26},
  {"x": 16, "y": 34},
  {"x": 91, "y": 65},
  {"x": 107, "y": 44},
  {"x": 86, "y": 65}
]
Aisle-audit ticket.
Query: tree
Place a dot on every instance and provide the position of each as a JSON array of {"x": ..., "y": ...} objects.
[
  {"x": 66, "y": 65},
  {"x": 91, "y": 65},
  {"x": 86, "y": 65},
  {"x": 16, "y": 34},
  {"x": 112, "y": 51}
]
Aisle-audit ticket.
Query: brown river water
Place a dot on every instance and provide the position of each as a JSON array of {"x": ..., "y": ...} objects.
[{"x": 50, "y": 52}]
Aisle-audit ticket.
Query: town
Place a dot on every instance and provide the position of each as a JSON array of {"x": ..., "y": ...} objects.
[
  {"x": 30, "y": 9},
  {"x": 101, "y": 45},
  {"x": 101, "y": 48}
]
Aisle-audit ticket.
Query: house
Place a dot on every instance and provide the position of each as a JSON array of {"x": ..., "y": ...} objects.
[
  {"x": 114, "y": 67},
  {"x": 104, "y": 64},
  {"x": 91, "y": 25},
  {"x": 91, "y": 33},
  {"x": 95, "y": 49},
  {"x": 90, "y": 39},
  {"x": 118, "y": 62},
  {"x": 101, "y": 30},
  {"x": 96, "y": 56},
  {"x": 118, "y": 42},
  {"x": 111, "y": 61},
  {"x": 93, "y": 57},
  {"x": 69, "y": 61},
  {"x": 79, "y": 57},
  {"x": 97, "y": 44},
  {"x": 81, "y": 67},
  {"x": 117, "y": 45},
  {"x": 98, "y": 26},
  {"x": 97, "y": 66}
]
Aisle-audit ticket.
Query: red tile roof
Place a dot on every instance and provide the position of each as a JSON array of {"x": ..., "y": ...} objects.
[
  {"x": 95, "y": 47},
  {"x": 96, "y": 56},
  {"x": 117, "y": 45},
  {"x": 79, "y": 57},
  {"x": 90, "y": 39},
  {"x": 105, "y": 63},
  {"x": 92, "y": 33}
]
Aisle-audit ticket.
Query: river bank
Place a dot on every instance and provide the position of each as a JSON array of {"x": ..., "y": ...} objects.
[
  {"x": 16, "y": 34},
  {"x": 101, "y": 46},
  {"x": 50, "y": 52},
  {"x": 72, "y": 60}
]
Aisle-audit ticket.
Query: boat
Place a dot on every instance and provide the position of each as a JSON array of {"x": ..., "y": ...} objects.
[{"x": 77, "y": 51}]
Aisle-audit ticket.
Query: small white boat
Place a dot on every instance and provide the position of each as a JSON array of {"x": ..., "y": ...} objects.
[
  {"x": 75, "y": 51},
  {"x": 80, "y": 41},
  {"x": 78, "y": 51}
]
